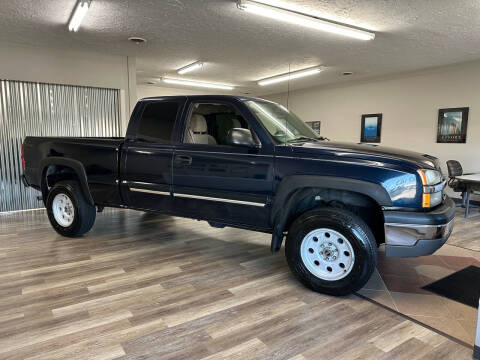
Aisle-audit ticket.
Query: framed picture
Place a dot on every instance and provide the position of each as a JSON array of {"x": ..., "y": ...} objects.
[
  {"x": 371, "y": 128},
  {"x": 315, "y": 125},
  {"x": 452, "y": 125}
]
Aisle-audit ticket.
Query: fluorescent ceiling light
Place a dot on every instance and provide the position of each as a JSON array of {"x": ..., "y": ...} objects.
[
  {"x": 290, "y": 76},
  {"x": 186, "y": 69},
  {"x": 196, "y": 84},
  {"x": 300, "y": 19},
  {"x": 80, "y": 12}
]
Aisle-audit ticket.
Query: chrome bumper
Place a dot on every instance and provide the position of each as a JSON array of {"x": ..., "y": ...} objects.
[{"x": 409, "y": 240}]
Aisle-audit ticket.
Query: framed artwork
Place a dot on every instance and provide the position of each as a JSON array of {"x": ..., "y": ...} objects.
[
  {"x": 315, "y": 125},
  {"x": 452, "y": 125},
  {"x": 371, "y": 128}
]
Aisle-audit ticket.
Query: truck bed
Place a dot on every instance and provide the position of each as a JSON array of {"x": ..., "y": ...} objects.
[{"x": 99, "y": 156}]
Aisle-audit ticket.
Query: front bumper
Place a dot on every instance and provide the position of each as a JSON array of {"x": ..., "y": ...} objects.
[{"x": 409, "y": 234}]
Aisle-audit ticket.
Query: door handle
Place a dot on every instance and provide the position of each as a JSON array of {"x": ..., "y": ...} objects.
[{"x": 183, "y": 160}]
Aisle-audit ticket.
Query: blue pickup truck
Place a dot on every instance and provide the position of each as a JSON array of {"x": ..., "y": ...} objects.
[{"x": 252, "y": 164}]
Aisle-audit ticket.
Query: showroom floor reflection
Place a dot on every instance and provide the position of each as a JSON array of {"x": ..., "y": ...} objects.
[{"x": 398, "y": 283}]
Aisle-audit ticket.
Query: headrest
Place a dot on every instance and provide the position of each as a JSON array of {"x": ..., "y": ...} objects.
[
  {"x": 236, "y": 123},
  {"x": 198, "y": 124}
]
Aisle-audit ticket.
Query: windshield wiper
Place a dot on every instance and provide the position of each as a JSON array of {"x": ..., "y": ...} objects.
[{"x": 302, "y": 138}]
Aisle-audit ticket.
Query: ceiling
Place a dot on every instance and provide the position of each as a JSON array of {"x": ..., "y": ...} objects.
[{"x": 240, "y": 48}]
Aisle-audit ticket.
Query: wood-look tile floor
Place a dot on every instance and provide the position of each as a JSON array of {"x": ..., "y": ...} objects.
[{"x": 157, "y": 287}]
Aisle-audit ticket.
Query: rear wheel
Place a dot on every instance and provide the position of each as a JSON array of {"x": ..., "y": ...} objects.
[
  {"x": 69, "y": 212},
  {"x": 331, "y": 251}
]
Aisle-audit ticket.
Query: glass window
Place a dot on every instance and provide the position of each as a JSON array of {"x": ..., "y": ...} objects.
[
  {"x": 210, "y": 123},
  {"x": 281, "y": 123},
  {"x": 157, "y": 122}
]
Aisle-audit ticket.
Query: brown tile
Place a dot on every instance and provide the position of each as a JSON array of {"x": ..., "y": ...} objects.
[
  {"x": 381, "y": 296},
  {"x": 375, "y": 282},
  {"x": 459, "y": 262},
  {"x": 449, "y": 250},
  {"x": 470, "y": 327},
  {"x": 395, "y": 266},
  {"x": 449, "y": 326},
  {"x": 407, "y": 284},
  {"x": 434, "y": 272},
  {"x": 421, "y": 305},
  {"x": 459, "y": 310},
  {"x": 427, "y": 260}
]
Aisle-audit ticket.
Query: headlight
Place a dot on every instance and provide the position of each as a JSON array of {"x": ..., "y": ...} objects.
[
  {"x": 433, "y": 186},
  {"x": 430, "y": 177}
]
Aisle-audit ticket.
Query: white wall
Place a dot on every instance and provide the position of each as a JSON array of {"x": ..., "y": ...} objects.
[
  {"x": 409, "y": 103},
  {"x": 38, "y": 64}
]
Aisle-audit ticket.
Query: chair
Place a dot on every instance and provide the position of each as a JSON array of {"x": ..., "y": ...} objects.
[{"x": 455, "y": 169}]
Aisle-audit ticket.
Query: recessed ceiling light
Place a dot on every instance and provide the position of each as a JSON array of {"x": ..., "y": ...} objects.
[
  {"x": 78, "y": 15},
  {"x": 192, "y": 67},
  {"x": 137, "y": 40},
  {"x": 300, "y": 19},
  {"x": 196, "y": 84},
  {"x": 290, "y": 76}
]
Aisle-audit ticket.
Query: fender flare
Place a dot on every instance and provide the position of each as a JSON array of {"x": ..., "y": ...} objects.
[
  {"x": 77, "y": 167},
  {"x": 296, "y": 187}
]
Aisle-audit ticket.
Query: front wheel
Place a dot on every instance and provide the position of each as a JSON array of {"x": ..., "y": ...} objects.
[
  {"x": 331, "y": 251},
  {"x": 69, "y": 212}
]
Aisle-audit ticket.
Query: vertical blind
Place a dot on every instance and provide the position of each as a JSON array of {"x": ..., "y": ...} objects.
[{"x": 38, "y": 109}]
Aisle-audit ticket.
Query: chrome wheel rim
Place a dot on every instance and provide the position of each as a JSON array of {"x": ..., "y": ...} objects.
[
  {"x": 327, "y": 254},
  {"x": 63, "y": 210}
]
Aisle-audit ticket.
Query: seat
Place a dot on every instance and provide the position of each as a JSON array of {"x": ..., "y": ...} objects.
[
  {"x": 224, "y": 123},
  {"x": 197, "y": 131},
  {"x": 455, "y": 169}
]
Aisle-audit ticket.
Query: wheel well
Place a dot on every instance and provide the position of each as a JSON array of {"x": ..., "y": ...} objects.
[
  {"x": 55, "y": 173},
  {"x": 359, "y": 204}
]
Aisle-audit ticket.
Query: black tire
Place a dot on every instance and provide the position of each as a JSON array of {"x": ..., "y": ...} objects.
[
  {"x": 84, "y": 213},
  {"x": 355, "y": 230}
]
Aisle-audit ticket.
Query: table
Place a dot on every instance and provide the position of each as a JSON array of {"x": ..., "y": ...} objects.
[{"x": 472, "y": 183}]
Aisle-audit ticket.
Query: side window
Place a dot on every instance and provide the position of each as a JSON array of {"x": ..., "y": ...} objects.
[
  {"x": 209, "y": 123},
  {"x": 157, "y": 122}
]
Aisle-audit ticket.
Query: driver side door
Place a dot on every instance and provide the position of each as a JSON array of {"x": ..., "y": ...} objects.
[{"x": 214, "y": 180}]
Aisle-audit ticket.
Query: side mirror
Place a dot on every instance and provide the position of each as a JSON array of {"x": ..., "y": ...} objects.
[{"x": 241, "y": 137}]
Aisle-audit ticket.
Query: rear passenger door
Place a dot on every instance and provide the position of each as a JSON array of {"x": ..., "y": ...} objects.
[
  {"x": 214, "y": 180},
  {"x": 147, "y": 156}
]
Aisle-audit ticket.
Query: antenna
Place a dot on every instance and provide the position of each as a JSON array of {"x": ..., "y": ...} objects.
[
  {"x": 288, "y": 84},
  {"x": 288, "y": 98}
]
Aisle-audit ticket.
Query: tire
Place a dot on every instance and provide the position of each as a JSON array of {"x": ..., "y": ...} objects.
[
  {"x": 341, "y": 259},
  {"x": 80, "y": 216}
]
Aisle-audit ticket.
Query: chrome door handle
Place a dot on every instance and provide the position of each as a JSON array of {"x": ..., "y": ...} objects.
[{"x": 183, "y": 160}]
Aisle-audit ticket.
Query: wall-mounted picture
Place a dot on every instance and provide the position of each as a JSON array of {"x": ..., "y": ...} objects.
[
  {"x": 452, "y": 125},
  {"x": 315, "y": 125},
  {"x": 371, "y": 128}
]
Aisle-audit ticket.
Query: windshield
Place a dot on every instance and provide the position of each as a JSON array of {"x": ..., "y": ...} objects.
[{"x": 281, "y": 123}]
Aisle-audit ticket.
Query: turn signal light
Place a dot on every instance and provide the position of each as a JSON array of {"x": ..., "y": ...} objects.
[
  {"x": 422, "y": 176},
  {"x": 426, "y": 200}
]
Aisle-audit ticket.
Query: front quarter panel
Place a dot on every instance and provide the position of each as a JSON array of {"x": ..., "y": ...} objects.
[{"x": 399, "y": 180}]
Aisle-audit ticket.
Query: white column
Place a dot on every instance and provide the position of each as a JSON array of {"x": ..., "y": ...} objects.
[{"x": 476, "y": 349}]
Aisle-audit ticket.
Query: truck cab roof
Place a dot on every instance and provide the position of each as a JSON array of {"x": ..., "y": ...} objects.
[{"x": 209, "y": 96}]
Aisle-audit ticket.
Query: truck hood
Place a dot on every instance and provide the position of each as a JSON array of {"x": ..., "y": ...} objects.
[{"x": 346, "y": 149}]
